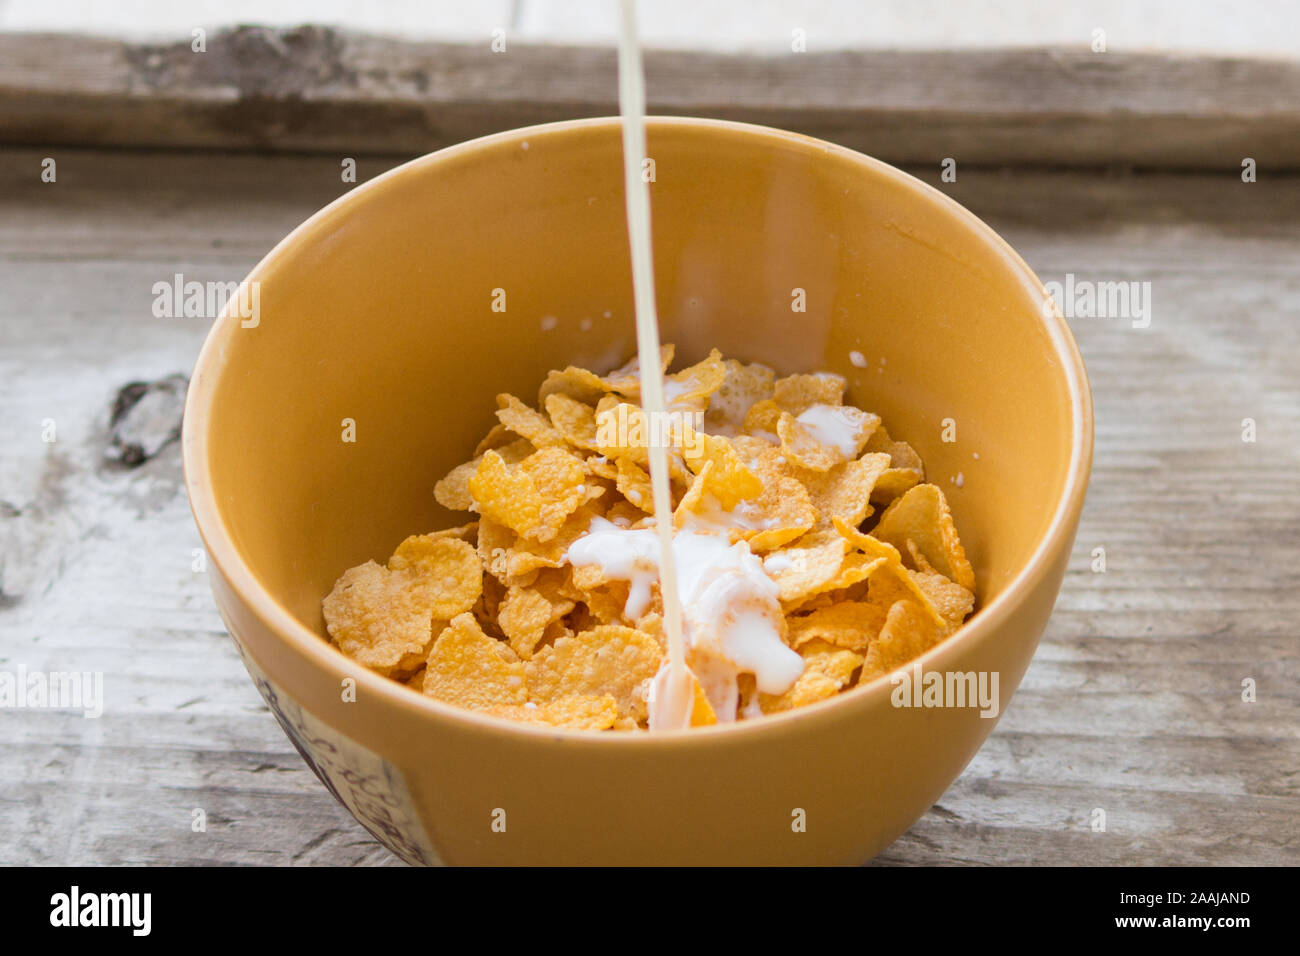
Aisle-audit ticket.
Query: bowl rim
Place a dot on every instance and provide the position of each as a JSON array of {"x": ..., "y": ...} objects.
[{"x": 323, "y": 656}]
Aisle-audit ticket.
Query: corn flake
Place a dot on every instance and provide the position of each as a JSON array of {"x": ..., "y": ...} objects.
[
  {"x": 626, "y": 380},
  {"x": 519, "y": 558},
  {"x": 446, "y": 568},
  {"x": 702, "y": 712},
  {"x": 634, "y": 485},
  {"x": 852, "y": 625},
  {"x": 379, "y": 618},
  {"x": 533, "y": 498},
  {"x": 921, "y": 516},
  {"x": 742, "y": 387},
  {"x": 453, "y": 492},
  {"x": 729, "y": 480},
  {"x": 497, "y": 437},
  {"x": 576, "y": 712},
  {"x": 890, "y": 581},
  {"x": 609, "y": 659},
  {"x": 491, "y": 616},
  {"x": 525, "y": 614},
  {"x": 807, "y": 566},
  {"x": 790, "y": 513},
  {"x": 761, "y": 420},
  {"x": 908, "y": 632},
  {"x": 574, "y": 420},
  {"x": 527, "y": 422},
  {"x": 827, "y": 669},
  {"x": 905, "y": 468},
  {"x": 800, "y": 447},
  {"x": 469, "y": 669},
  {"x": 692, "y": 387},
  {"x": 797, "y": 393},
  {"x": 953, "y": 602},
  {"x": 576, "y": 383},
  {"x": 843, "y": 491}
]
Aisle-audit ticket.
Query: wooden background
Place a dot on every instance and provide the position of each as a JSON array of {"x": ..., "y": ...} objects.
[{"x": 1133, "y": 703}]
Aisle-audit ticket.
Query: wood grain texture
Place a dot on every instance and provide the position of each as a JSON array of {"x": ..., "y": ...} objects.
[
  {"x": 322, "y": 90},
  {"x": 1132, "y": 704}
]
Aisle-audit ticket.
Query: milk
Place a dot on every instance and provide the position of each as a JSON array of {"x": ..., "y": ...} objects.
[
  {"x": 730, "y": 607},
  {"x": 674, "y": 690},
  {"x": 719, "y": 602}
]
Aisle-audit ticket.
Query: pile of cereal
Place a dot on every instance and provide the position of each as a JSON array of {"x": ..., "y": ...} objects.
[{"x": 546, "y": 609}]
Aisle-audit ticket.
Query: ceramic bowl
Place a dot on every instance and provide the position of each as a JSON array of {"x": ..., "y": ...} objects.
[{"x": 377, "y": 314}]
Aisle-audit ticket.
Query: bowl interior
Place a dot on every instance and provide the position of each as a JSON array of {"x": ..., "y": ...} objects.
[{"x": 380, "y": 311}]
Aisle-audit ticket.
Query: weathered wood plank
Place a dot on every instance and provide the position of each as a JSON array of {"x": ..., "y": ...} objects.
[
  {"x": 317, "y": 89},
  {"x": 1133, "y": 702}
]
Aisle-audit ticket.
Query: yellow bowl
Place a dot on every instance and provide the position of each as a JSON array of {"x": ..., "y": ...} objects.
[{"x": 379, "y": 311}]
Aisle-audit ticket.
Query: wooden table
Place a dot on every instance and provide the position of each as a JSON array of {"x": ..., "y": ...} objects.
[{"x": 1133, "y": 703}]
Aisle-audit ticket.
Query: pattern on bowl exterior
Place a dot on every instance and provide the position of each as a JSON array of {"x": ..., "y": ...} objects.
[
  {"x": 371, "y": 788},
  {"x": 378, "y": 310}
]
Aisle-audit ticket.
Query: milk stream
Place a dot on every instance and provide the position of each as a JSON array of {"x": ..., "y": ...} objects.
[{"x": 673, "y": 693}]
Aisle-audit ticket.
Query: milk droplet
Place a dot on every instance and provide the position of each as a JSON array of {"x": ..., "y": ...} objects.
[{"x": 858, "y": 359}]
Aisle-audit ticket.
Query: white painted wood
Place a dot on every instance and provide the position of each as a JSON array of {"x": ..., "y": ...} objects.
[
  {"x": 1132, "y": 703},
  {"x": 1247, "y": 27},
  {"x": 321, "y": 90}
]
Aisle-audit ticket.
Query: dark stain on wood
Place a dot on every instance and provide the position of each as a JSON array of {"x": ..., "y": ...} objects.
[{"x": 145, "y": 418}]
